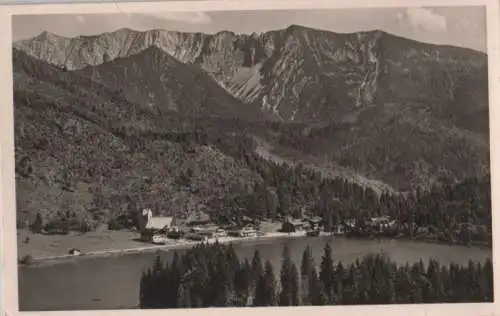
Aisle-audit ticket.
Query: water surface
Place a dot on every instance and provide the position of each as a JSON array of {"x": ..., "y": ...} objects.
[{"x": 113, "y": 282}]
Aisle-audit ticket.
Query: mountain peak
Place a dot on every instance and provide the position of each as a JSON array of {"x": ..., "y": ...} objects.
[
  {"x": 46, "y": 35},
  {"x": 293, "y": 27},
  {"x": 159, "y": 56},
  {"x": 302, "y": 28},
  {"x": 122, "y": 31},
  {"x": 224, "y": 33},
  {"x": 153, "y": 56},
  {"x": 153, "y": 49}
]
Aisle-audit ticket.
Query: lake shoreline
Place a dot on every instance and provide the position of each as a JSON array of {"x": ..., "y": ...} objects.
[
  {"x": 429, "y": 240},
  {"x": 180, "y": 245},
  {"x": 186, "y": 244}
]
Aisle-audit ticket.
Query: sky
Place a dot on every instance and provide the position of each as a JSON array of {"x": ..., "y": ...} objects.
[{"x": 458, "y": 26}]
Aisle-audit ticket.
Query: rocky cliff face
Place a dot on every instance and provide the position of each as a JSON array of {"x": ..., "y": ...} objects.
[{"x": 297, "y": 73}]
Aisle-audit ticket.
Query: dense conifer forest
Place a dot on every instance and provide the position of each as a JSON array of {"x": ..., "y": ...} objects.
[
  {"x": 213, "y": 276},
  {"x": 288, "y": 189}
]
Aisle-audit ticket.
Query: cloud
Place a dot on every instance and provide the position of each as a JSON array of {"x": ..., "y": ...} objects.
[
  {"x": 425, "y": 19},
  {"x": 186, "y": 17}
]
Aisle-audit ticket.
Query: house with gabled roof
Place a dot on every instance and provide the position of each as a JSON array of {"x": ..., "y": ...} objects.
[
  {"x": 291, "y": 225},
  {"x": 154, "y": 228},
  {"x": 198, "y": 218},
  {"x": 159, "y": 223}
]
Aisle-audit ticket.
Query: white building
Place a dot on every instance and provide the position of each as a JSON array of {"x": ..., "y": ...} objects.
[{"x": 154, "y": 228}]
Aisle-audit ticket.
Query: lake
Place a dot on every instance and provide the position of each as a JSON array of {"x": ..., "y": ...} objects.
[{"x": 113, "y": 282}]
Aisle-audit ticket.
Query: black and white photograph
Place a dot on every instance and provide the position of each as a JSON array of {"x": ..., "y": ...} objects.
[{"x": 252, "y": 158}]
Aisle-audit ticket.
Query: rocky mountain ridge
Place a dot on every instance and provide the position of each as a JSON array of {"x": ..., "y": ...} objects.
[{"x": 296, "y": 73}]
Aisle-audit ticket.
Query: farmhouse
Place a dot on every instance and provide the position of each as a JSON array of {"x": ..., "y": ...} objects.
[
  {"x": 154, "y": 228},
  {"x": 75, "y": 252},
  {"x": 381, "y": 223},
  {"x": 338, "y": 229},
  {"x": 220, "y": 232},
  {"x": 208, "y": 231},
  {"x": 245, "y": 220},
  {"x": 315, "y": 222},
  {"x": 247, "y": 231},
  {"x": 291, "y": 225},
  {"x": 351, "y": 223},
  {"x": 198, "y": 218}
]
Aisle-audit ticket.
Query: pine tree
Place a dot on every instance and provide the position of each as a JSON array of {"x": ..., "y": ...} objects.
[
  {"x": 184, "y": 297},
  {"x": 351, "y": 293},
  {"x": 285, "y": 298},
  {"x": 260, "y": 292},
  {"x": 152, "y": 286},
  {"x": 259, "y": 203},
  {"x": 338, "y": 283},
  {"x": 143, "y": 293},
  {"x": 327, "y": 273},
  {"x": 37, "y": 224},
  {"x": 232, "y": 258},
  {"x": 487, "y": 274},
  {"x": 434, "y": 276},
  {"x": 283, "y": 201},
  {"x": 390, "y": 292},
  {"x": 307, "y": 263},
  {"x": 472, "y": 284},
  {"x": 157, "y": 265},
  {"x": 272, "y": 203},
  {"x": 327, "y": 220},
  {"x": 175, "y": 273},
  {"x": 306, "y": 269},
  {"x": 316, "y": 294},
  {"x": 417, "y": 276},
  {"x": 223, "y": 285},
  {"x": 294, "y": 281},
  {"x": 289, "y": 280},
  {"x": 265, "y": 294},
  {"x": 150, "y": 289},
  {"x": 257, "y": 269},
  {"x": 243, "y": 282}
]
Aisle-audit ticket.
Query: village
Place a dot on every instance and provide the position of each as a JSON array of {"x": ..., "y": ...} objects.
[
  {"x": 130, "y": 230},
  {"x": 198, "y": 226}
]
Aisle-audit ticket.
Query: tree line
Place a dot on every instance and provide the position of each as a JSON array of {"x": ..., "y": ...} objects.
[{"x": 213, "y": 276}]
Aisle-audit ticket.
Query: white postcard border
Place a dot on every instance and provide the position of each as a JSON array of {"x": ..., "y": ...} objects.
[{"x": 8, "y": 250}]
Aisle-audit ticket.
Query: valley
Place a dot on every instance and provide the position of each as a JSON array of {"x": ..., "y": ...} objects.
[{"x": 344, "y": 125}]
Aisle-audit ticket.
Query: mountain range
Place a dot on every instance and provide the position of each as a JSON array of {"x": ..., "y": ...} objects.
[{"x": 371, "y": 107}]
